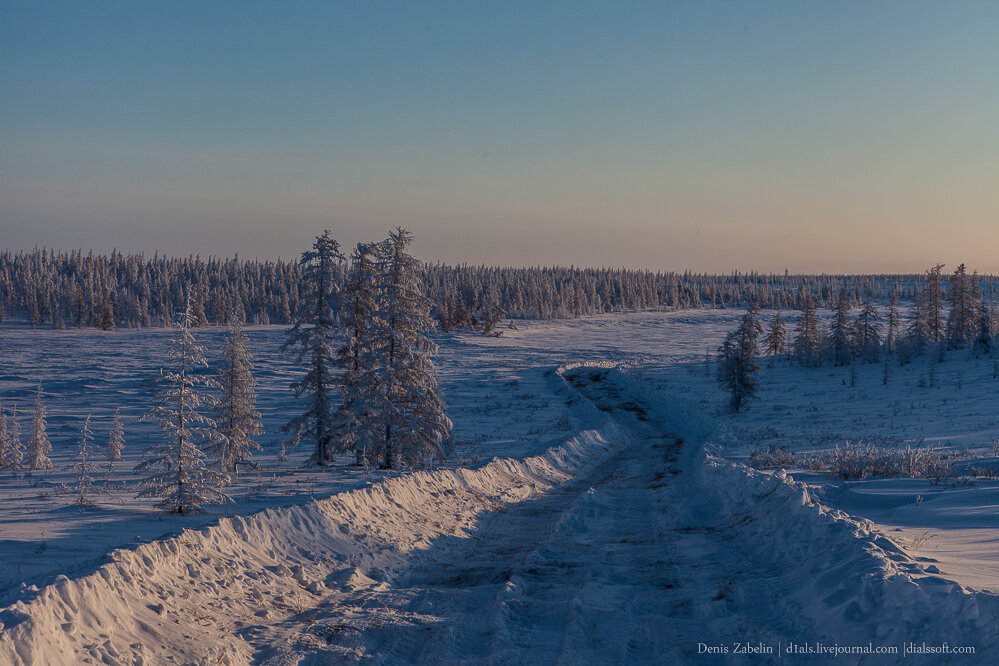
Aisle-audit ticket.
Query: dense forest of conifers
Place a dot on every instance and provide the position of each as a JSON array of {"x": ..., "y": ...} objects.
[{"x": 75, "y": 289}]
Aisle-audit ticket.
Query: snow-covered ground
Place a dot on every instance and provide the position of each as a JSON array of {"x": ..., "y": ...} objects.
[{"x": 612, "y": 527}]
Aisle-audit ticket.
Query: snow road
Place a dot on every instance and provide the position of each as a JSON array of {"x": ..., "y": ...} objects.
[{"x": 604, "y": 569}]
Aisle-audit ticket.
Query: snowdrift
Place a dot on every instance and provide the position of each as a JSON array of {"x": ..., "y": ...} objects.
[{"x": 851, "y": 580}]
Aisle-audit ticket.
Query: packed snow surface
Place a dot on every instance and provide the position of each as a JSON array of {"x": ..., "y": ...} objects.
[{"x": 600, "y": 514}]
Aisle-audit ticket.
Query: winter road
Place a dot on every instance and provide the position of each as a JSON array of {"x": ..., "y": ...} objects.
[{"x": 618, "y": 566}]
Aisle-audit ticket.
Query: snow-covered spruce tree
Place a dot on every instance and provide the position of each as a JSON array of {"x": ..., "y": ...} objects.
[
  {"x": 178, "y": 471},
  {"x": 932, "y": 312},
  {"x": 359, "y": 306},
  {"x": 312, "y": 340},
  {"x": 738, "y": 368},
  {"x": 38, "y": 441},
  {"x": 982, "y": 344},
  {"x": 116, "y": 438},
  {"x": 83, "y": 467},
  {"x": 807, "y": 341},
  {"x": 840, "y": 343},
  {"x": 400, "y": 410},
  {"x": 775, "y": 341},
  {"x": 116, "y": 443},
  {"x": 867, "y": 332},
  {"x": 894, "y": 321},
  {"x": 965, "y": 302},
  {"x": 236, "y": 416},
  {"x": 917, "y": 335}
]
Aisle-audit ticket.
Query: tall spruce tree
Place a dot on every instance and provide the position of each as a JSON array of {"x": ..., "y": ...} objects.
[
  {"x": 399, "y": 407},
  {"x": 312, "y": 340},
  {"x": 775, "y": 342},
  {"x": 982, "y": 345},
  {"x": 178, "y": 472},
  {"x": 867, "y": 332},
  {"x": 933, "y": 309},
  {"x": 840, "y": 332},
  {"x": 739, "y": 366},
  {"x": 894, "y": 321},
  {"x": 807, "y": 341},
  {"x": 236, "y": 416},
  {"x": 360, "y": 304},
  {"x": 965, "y": 302}
]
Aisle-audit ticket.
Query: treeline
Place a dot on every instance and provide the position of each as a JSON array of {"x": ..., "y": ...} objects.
[
  {"x": 958, "y": 316},
  {"x": 73, "y": 289}
]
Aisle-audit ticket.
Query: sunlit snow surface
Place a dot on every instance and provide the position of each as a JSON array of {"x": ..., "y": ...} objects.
[{"x": 505, "y": 402}]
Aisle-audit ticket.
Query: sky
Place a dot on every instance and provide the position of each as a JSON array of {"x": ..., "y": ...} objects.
[{"x": 712, "y": 136}]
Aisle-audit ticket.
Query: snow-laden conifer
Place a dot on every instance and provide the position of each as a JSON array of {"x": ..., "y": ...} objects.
[
  {"x": 917, "y": 335},
  {"x": 399, "y": 405},
  {"x": 965, "y": 304},
  {"x": 894, "y": 322},
  {"x": 840, "y": 332},
  {"x": 867, "y": 332},
  {"x": 738, "y": 367},
  {"x": 982, "y": 344},
  {"x": 236, "y": 416},
  {"x": 84, "y": 468},
  {"x": 312, "y": 340},
  {"x": 807, "y": 340},
  {"x": 38, "y": 441},
  {"x": 775, "y": 341},
  {"x": 116, "y": 443},
  {"x": 933, "y": 298},
  {"x": 360, "y": 302},
  {"x": 178, "y": 473},
  {"x": 116, "y": 438}
]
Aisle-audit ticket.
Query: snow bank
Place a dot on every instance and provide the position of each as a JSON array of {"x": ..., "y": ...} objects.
[
  {"x": 189, "y": 598},
  {"x": 856, "y": 584}
]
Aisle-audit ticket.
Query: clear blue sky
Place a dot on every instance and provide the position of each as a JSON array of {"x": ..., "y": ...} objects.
[{"x": 827, "y": 136}]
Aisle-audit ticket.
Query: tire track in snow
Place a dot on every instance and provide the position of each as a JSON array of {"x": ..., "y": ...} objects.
[{"x": 610, "y": 567}]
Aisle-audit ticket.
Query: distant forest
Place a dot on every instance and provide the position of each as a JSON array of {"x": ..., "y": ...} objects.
[{"x": 61, "y": 289}]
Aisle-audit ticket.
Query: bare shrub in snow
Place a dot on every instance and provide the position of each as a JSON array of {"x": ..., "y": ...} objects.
[
  {"x": 862, "y": 460},
  {"x": 771, "y": 457}
]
